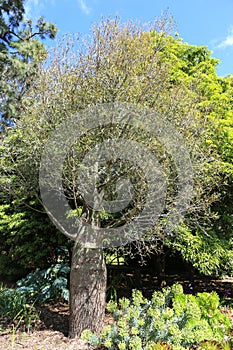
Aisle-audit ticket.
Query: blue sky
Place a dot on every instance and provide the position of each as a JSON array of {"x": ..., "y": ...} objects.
[{"x": 199, "y": 22}]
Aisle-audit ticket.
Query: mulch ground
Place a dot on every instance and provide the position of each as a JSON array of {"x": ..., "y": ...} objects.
[
  {"x": 49, "y": 333},
  {"x": 51, "y": 330}
]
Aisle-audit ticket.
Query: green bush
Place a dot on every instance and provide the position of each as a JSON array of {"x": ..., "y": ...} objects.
[
  {"x": 45, "y": 285},
  {"x": 181, "y": 321},
  {"x": 28, "y": 239},
  {"x": 19, "y": 305}
]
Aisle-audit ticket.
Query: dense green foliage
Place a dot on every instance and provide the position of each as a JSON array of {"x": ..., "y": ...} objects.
[
  {"x": 171, "y": 317},
  {"x": 28, "y": 239},
  {"x": 197, "y": 248},
  {"x": 193, "y": 67}
]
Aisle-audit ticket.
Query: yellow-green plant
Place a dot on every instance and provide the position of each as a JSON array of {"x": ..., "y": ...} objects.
[{"x": 169, "y": 319}]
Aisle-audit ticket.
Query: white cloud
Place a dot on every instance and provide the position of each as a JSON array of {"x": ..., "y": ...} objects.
[
  {"x": 227, "y": 42},
  {"x": 31, "y": 6},
  {"x": 84, "y": 7},
  {"x": 34, "y": 8}
]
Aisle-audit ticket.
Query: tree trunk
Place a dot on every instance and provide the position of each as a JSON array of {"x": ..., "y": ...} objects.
[{"x": 88, "y": 279}]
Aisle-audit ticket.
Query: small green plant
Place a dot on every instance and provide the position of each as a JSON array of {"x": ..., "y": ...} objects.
[
  {"x": 45, "y": 285},
  {"x": 14, "y": 307},
  {"x": 169, "y": 319}
]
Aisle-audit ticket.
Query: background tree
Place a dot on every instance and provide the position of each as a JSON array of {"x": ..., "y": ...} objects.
[
  {"x": 197, "y": 68},
  {"x": 20, "y": 53}
]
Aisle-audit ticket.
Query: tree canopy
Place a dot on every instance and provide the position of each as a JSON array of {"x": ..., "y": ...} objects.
[{"x": 157, "y": 70}]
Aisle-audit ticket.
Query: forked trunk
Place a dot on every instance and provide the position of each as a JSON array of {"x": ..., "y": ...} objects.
[{"x": 88, "y": 278}]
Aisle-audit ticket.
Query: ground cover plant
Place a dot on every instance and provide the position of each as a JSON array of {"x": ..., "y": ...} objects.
[{"x": 170, "y": 317}]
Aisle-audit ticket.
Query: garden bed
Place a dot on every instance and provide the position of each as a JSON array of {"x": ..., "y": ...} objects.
[{"x": 50, "y": 331}]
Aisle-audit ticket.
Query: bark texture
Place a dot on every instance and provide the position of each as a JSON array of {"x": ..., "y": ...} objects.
[{"x": 88, "y": 280}]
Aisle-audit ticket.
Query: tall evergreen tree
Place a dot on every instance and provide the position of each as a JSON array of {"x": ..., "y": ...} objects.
[{"x": 20, "y": 53}]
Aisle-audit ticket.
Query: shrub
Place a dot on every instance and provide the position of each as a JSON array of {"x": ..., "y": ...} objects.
[
  {"x": 18, "y": 305},
  {"x": 24, "y": 244},
  {"x": 181, "y": 321},
  {"x": 45, "y": 285}
]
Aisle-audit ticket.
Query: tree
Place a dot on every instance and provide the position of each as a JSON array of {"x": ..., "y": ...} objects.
[
  {"x": 20, "y": 54},
  {"x": 120, "y": 64},
  {"x": 194, "y": 66}
]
